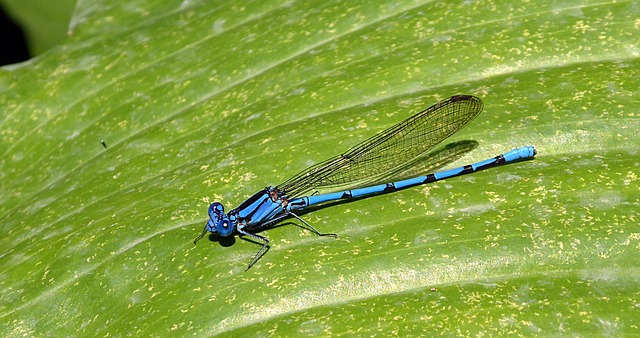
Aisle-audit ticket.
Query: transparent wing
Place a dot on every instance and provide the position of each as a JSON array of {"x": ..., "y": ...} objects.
[{"x": 389, "y": 149}]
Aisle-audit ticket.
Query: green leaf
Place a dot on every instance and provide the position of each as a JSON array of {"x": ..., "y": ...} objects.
[
  {"x": 44, "y": 22},
  {"x": 201, "y": 101}
]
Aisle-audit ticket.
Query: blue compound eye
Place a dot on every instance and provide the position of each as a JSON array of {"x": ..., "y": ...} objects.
[
  {"x": 224, "y": 227},
  {"x": 216, "y": 210}
]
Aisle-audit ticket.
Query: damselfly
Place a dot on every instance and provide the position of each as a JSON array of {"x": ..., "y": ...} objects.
[{"x": 361, "y": 168}]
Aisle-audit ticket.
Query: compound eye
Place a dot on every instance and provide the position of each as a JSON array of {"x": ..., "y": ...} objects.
[
  {"x": 216, "y": 210},
  {"x": 224, "y": 227}
]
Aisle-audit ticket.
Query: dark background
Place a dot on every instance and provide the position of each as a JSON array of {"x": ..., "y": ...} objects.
[{"x": 13, "y": 48}]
